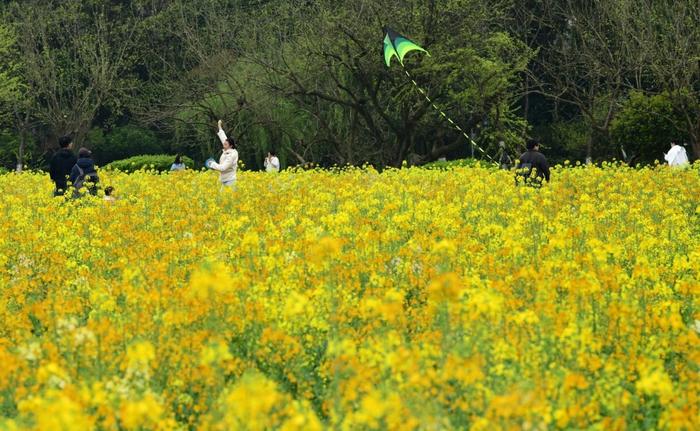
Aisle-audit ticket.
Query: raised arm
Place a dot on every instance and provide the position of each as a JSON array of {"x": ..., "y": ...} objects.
[{"x": 221, "y": 134}]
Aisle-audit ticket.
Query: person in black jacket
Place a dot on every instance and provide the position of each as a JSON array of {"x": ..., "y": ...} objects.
[
  {"x": 533, "y": 167},
  {"x": 84, "y": 173},
  {"x": 61, "y": 165}
]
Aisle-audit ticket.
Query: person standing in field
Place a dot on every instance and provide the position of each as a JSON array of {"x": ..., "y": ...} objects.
[
  {"x": 676, "y": 156},
  {"x": 272, "y": 163},
  {"x": 84, "y": 174},
  {"x": 228, "y": 162},
  {"x": 504, "y": 160},
  {"x": 533, "y": 167},
  {"x": 61, "y": 165},
  {"x": 177, "y": 164}
]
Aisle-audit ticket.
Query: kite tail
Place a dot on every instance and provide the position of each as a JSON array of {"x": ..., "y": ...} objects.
[{"x": 443, "y": 115}]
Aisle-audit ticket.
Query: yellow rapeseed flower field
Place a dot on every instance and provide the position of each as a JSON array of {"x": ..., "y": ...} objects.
[{"x": 353, "y": 300}]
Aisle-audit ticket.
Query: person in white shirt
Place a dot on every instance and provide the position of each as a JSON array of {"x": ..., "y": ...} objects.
[
  {"x": 676, "y": 156},
  {"x": 177, "y": 164},
  {"x": 228, "y": 162},
  {"x": 272, "y": 163}
]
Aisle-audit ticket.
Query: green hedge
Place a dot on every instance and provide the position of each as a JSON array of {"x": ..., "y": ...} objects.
[
  {"x": 156, "y": 162},
  {"x": 459, "y": 163},
  {"x": 646, "y": 125}
]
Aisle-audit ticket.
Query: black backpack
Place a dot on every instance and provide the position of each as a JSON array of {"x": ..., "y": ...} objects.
[
  {"x": 91, "y": 178},
  {"x": 524, "y": 175}
]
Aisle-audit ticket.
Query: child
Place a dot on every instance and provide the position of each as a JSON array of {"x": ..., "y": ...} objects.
[{"x": 108, "y": 194}]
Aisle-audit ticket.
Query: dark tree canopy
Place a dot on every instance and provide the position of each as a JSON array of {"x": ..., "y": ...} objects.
[{"x": 597, "y": 80}]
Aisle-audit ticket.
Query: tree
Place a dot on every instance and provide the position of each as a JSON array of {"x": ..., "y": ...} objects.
[
  {"x": 194, "y": 75},
  {"x": 306, "y": 78},
  {"x": 10, "y": 84},
  {"x": 587, "y": 62},
  {"x": 645, "y": 125},
  {"x": 327, "y": 61},
  {"x": 668, "y": 35},
  {"x": 14, "y": 97},
  {"x": 70, "y": 60}
]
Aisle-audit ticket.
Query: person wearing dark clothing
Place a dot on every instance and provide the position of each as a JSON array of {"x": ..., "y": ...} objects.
[
  {"x": 61, "y": 165},
  {"x": 533, "y": 167},
  {"x": 84, "y": 173}
]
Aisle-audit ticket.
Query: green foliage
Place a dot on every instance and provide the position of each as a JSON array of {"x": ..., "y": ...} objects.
[
  {"x": 445, "y": 165},
  {"x": 564, "y": 140},
  {"x": 480, "y": 81},
  {"x": 8, "y": 148},
  {"x": 156, "y": 162},
  {"x": 646, "y": 125},
  {"x": 356, "y": 110},
  {"x": 306, "y": 78},
  {"x": 10, "y": 83},
  {"x": 122, "y": 142},
  {"x": 95, "y": 139}
]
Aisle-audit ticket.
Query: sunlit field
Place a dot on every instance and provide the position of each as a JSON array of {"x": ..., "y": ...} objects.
[{"x": 353, "y": 300}]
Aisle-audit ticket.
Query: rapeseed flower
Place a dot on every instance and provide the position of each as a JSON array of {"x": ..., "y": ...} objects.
[{"x": 352, "y": 299}]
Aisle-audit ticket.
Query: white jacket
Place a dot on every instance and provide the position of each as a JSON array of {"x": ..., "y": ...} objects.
[
  {"x": 228, "y": 162},
  {"x": 676, "y": 156},
  {"x": 272, "y": 164}
]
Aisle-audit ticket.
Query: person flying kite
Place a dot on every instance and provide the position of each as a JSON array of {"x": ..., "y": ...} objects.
[{"x": 397, "y": 45}]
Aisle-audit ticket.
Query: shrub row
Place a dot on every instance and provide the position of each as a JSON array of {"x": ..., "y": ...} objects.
[{"x": 156, "y": 162}]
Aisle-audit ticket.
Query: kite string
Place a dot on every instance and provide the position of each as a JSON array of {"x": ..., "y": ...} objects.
[{"x": 443, "y": 115}]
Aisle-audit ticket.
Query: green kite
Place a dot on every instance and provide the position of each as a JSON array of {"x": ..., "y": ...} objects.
[{"x": 396, "y": 45}]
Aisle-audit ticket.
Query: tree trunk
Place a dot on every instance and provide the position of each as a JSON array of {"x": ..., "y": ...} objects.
[
  {"x": 695, "y": 140},
  {"x": 20, "y": 153},
  {"x": 589, "y": 149},
  {"x": 526, "y": 106},
  {"x": 22, "y": 123}
]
